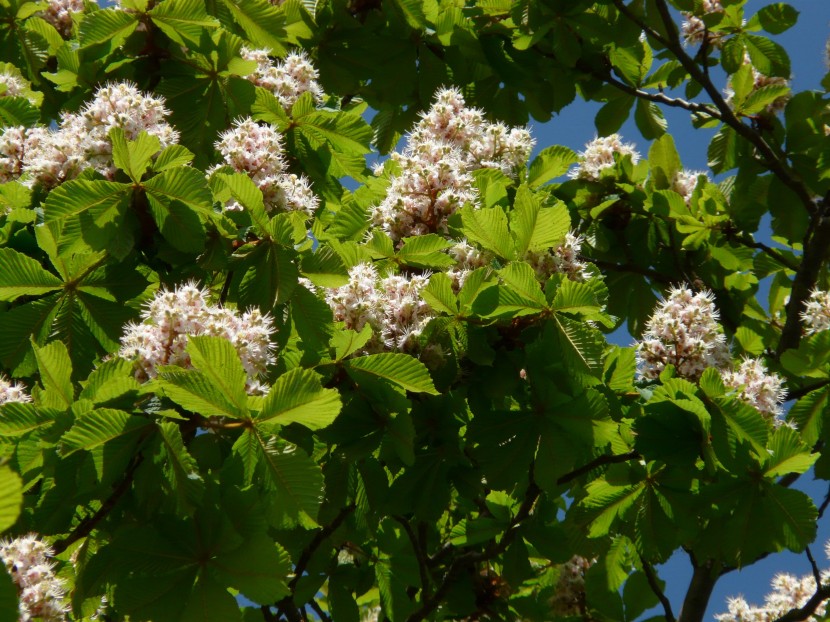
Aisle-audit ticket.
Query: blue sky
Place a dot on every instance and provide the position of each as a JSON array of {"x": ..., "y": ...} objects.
[{"x": 574, "y": 127}]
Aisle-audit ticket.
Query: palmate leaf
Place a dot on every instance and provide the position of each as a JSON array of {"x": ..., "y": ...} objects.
[
  {"x": 268, "y": 276},
  {"x": 11, "y": 497},
  {"x": 581, "y": 345},
  {"x": 21, "y": 323},
  {"x": 298, "y": 397},
  {"x": 324, "y": 267},
  {"x": 263, "y": 23},
  {"x": 219, "y": 362},
  {"x": 194, "y": 391},
  {"x": 292, "y": 479},
  {"x": 111, "y": 26},
  {"x": 17, "y": 111},
  {"x": 551, "y": 163},
  {"x": 133, "y": 157},
  {"x": 21, "y": 275},
  {"x": 183, "y": 21},
  {"x": 608, "y": 503},
  {"x": 399, "y": 369},
  {"x": 535, "y": 228},
  {"x": 21, "y": 418},
  {"x": 245, "y": 192},
  {"x": 180, "y": 469},
  {"x": 488, "y": 227},
  {"x": 179, "y": 201},
  {"x": 55, "y": 369},
  {"x": 809, "y": 413},
  {"x": 424, "y": 251},
  {"x": 257, "y": 569},
  {"x": 788, "y": 454},
  {"x": 98, "y": 427}
]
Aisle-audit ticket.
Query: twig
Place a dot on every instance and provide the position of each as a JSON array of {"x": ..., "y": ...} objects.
[
  {"x": 419, "y": 555},
  {"x": 775, "y": 254},
  {"x": 286, "y": 606},
  {"x": 799, "y": 393},
  {"x": 85, "y": 527},
  {"x": 813, "y": 565},
  {"x": 655, "y": 587},
  {"x": 824, "y": 504},
  {"x": 319, "y": 611},
  {"x": 598, "y": 462}
]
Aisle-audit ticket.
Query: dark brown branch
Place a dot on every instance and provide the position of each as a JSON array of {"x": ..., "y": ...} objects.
[
  {"x": 319, "y": 611},
  {"x": 813, "y": 565},
  {"x": 697, "y": 596},
  {"x": 423, "y": 568},
  {"x": 799, "y": 393},
  {"x": 816, "y": 244},
  {"x": 85, "y": 527},
  {"x": 596, "y": 463},
  {"x": 286, "y": 606},
  {"x": 776, "y": 162},
  {"x": 775, "y": 254},
  {"x": 823, "y": 507},
  {"x": 655, "y": 587},
  {"x": 659, "y": 98}
]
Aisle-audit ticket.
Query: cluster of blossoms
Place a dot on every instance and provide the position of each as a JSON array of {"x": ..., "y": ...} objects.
[
  {"x": 433, "y": 178},
  {"x": 756, "y": 386},
  {"x": 257, "y": 151},
  {"x": 599, "y": 155},
  {"x": 569, "y": 593},
  {"x": 694, "y": 29},
  {"x": 173, "y": 316},
  {"x": 563, "y": 259},
  {"x": 59, "y": 14},
  {"x": 684, "y": 332},
  {"x": 12, "y": 391},
  {"x": 816, "y": 314},
  {"x": 391, "y": 305},
  {"x": 40, "y": 592},
  {"x": 13, "y": 84},
  {"x": 467, "y": 258},
  {"x": 51, "y": 157},
  {"x": 685, "y": 182},
  {"x": 788, "y": 593},
  {"x": 288, "y": 79}
]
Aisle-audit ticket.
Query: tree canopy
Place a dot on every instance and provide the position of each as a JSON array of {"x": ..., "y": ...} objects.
[{"x": 246, "y": 377}]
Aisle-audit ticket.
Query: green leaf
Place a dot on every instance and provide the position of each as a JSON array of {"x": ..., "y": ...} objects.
[
  {"x": 438, "y": 294},
  {"x": 246, "y": 193},
  {"x": 177, "y": 198},
  {"x": 613, "y": 114},
  {"x": 581, "y": 345},
  {"x": 767, "y": 56},
  {"x": 111, "y": 26},
  {"x": 88, "y": 214},
  {"x": 55, "y": 369},
  {"x": 551, "y": 163},
  {"x": 775, "y": 18},
  {"x": 207, "y": 601},
  {"x": 347, "y": 342},
  {"x": 263, "y": 23},
  {"x": 424, "y": 251},
  {"x": 98, "y": 427},
  {"x": 809, "y": 413},
  {"x": 180, "y": 469},
  {"x": 399, "y": 369},
  {"x": 21, "y": 418},
  {"x": 788, "y": 454},
  {"x": 488, "y": 228},
  {"x": 267, "y": 107},
  {"x": 760, "y": 98},
  {"x": 172, "y": 156},
  {"x": 11, "y": 498},
  {"x": 8, "y": 597},
  {"x": 664, "y": 161},
  {"x": 534, "y": 227},
  {"x": 196, "y": 392},
  {"x": 16, "y": 111},
  {"x": 184, "y": 21},
  {"x": 257, "y": 569},
  {"x": 298, "y": 397},
  {"x": 283, "y": 469},
  {"x": 269, "y": 276},
  {"x": 723, "y": 150},
  {"x": 324, "y": 267},
  {"x": 608, "y": 503},
  {"x": 133, "y": 157},
  {"x": 21, "y": 275},
  {"x": 650, "y": 120},
  {"x": 573, "y": 297},
  {"x": 218, "y": 361}
]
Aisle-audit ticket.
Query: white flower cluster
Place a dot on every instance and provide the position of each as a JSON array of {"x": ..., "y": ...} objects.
[
  {"x": 569, "y": 593},
  {"x": 684, "y": 332},
  {"x": 599, "y": 155},
  {"x": 392, "y": 306},
  {"x": 173, "y": 316},
  {"x": 59, "y": 14},
  {"x": 12, "y": 391},
  {"x": 816, "y": 314},
  {"x": 51, "y": 157},
  {"x": 685, "y": 182},
  {"x": 434, "y": 172},
  {"x": 563, "y": 259},
  {"x": 788, "y": 592},
  {"x": 12, "y": 84},
  {"x": 40, "y": 592},
  {"x": 757, "y": 387},
  {"x": 694, "y": 30},
  {"x": 257, "y": 151},
  {"x": 287, "y": 79}
]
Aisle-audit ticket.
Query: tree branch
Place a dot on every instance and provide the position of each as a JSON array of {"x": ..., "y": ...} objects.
[
  {"x": 319, "y": 611},
  {"x": 85, "y": 527},
  {"x": 655, "y": 587},
  {"x": 813, "y": 565},
  {"x": 774, "y": 253},
  {"x": 809, "y": 608},
  {"x": 597, "y": 462},
  {"x": 775, "y": 161},
  {"x": 423, "y": 570},
  {"x": 700, "y": 590}
]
